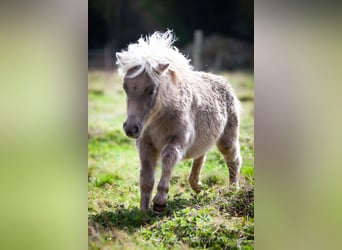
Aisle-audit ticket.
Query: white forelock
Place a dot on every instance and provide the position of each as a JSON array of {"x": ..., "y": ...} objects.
[{"x": 151, "y": 51}]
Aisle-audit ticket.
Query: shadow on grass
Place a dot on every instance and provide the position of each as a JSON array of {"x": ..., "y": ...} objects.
[
  {"x": 131, "y": 219},
  {"x": 235, "y": 202}
]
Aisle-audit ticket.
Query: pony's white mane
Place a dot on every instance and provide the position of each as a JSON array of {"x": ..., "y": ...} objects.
[{"x": 151, "y": 51}]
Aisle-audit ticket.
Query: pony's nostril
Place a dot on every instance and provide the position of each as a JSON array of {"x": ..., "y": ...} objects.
[
  {"x": 135, "y": 129},
  {"x": 131, "y": 130}
]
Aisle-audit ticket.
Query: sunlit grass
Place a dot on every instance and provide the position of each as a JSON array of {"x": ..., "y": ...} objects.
[{"x": 217, "y": 218}]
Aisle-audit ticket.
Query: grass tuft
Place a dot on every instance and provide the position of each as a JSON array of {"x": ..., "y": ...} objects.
[
  {"x": 116, "y": 137},
  {"x": 106, "y": 178},
  {"x": 237, "y": 202}
]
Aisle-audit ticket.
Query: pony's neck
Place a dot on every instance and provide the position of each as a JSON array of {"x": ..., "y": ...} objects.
[{"x": 170, "y": 91}]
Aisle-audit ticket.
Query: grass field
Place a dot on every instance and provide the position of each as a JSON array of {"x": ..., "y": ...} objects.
[{"x": 217, "y": 218}]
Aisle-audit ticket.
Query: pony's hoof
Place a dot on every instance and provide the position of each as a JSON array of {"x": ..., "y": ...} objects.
[
  {"x": 157, "y": 208},
  {"x": 197, "y": 188}
]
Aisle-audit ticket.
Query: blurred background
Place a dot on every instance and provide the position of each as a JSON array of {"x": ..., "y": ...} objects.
[
  {"x": 298, "y": 58},
  {"x": 216, "y": 35}
]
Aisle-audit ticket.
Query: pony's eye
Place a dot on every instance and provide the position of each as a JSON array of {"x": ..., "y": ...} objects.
[{"x": 149, "y": 91}]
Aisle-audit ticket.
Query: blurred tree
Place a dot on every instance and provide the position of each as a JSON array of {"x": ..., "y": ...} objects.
[
  {"x": 118, "y": 22},
  {"x": 232, "y": 18},
  {"x": 114, "y": 23}
]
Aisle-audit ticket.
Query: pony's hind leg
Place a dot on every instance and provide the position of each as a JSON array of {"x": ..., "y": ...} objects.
[
  {"x": 195, "y": 173},
  {"x": 229, "y": 146}
]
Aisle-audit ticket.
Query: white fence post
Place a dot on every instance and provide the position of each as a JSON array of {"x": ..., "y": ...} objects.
[{"x": 197, "y": 49}]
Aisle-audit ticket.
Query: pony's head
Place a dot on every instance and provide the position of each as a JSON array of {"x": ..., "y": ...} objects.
[
  {"x": 141, "y": 95},
  {"x": 142, "y": 66}
]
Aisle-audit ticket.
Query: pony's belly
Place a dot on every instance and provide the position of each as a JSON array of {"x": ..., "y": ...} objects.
[
  {"x": 204, "y": 139},
  {"x": 198, "y": 149}
]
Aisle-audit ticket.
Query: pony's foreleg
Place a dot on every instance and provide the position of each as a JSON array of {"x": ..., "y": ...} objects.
[
  {"x": 170, "y": 156},
  {"x": 148, "y": 160},
  {"x": 195, "y": 173}
]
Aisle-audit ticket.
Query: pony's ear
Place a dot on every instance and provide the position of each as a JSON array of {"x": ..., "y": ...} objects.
[
  {"x": 162, "y": 67},
  {"x": 118, "y": 56}
]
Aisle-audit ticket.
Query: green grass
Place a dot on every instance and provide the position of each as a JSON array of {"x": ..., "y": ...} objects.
[{"x": 217, "y": 218}]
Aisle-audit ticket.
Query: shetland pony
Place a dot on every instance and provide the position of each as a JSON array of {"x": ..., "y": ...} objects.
[{"x": 175, "y": 113}]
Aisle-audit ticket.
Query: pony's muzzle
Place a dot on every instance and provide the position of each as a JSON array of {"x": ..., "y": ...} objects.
[{"x": 132, "y": 130}]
